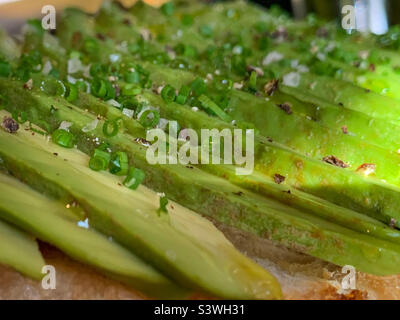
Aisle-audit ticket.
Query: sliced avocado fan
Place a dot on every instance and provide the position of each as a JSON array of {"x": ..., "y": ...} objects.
[
  {"x": 180, "y": 244},
  {"x": 20, "y": 251},
  {"x": 50, "y": 221}
]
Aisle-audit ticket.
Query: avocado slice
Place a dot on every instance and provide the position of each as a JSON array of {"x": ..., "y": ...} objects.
[
  {"x": 52, "y": 222},
  {"x": 20, "y": 251},
  {"x": 181, "y": 244}
]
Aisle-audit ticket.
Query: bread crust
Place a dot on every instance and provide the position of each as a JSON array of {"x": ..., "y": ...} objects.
[{"x": 302, "y": 277}]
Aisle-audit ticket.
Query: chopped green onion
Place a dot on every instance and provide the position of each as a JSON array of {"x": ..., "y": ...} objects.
[
  {"x": 5, "y": 69},
  {"x": 205, "y": 31},
  {"x": 20, "y": 116},
  {"x": 134, "y": 178},
  {"x": 55, "y": 73},
  {"x": 183, "y": 95},
  {"x": 63, "y": 138},
  {"x": 36, "y": 24},
  {"x": 168, "y": 8},
  {"x": 75, "y": 55},
  {"x": 53, "y": 87},
  {"x": 100, "y": 160},
  {"x": 44, "y": 125},
  {"x": 131, "y": 89},
  {"x": 98, "y": 88},
  {"x": 187, "y": 20},
  {"x": 132, "y": 77},
  {"x": 163, "y": 205},
  {"x": 96, "y": 69},
  {"x": 111, "y": 92},
  {"x": 168, "y": 93},
  {"x": 90, "y": 45},
  {"x": 53, "y": 109},
  {"x": 198, "y": 86},
  {"x": 3, "y": 100},
  {"x": 128, "y": 102},
  {"x": 238, "y": 65},
  {"x": 106, "y": 126},
  {"x": 81, "y": 85},
  {"x": 147, "y": 121},
  {"x": 119, "y": 163},
  {"x": 72, "y": 92},
  {"x": 253, "y": 81},
  {"x": 208, "y": 104},
  {"x": 103, "y": 146}
]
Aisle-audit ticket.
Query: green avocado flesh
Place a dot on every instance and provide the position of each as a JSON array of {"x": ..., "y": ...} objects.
[
  {"x": 222, "y": 200},
  {"x": 180, "y": 244},
  {"x": 50, "y": 221},
  {"x": 325, "y": 108},
  {"x": 20, "y": 251}
]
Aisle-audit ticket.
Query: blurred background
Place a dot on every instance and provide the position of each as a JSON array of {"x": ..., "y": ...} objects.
[{"x": 371, "y": 15}]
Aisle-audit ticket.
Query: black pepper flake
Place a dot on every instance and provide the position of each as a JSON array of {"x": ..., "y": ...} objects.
[
  {"x": 335, "y": 162},
  {"x": 127, "y": 22},
  {"x": 341, "y": 104},
  {"x": 278, "y": 178},
  {"x": 286, "y": 107},
  {"x": 55, "y": 153},
  {"x": 10, "y": 125},
  {"x": 100, "y": 36},
  {"x": 372, "y": 67},
  {"x": 271, "y": 86}
]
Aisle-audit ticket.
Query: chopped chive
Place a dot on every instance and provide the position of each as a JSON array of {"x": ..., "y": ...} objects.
[
  {"x": 20, "y": 116},
  {"x": 147, "y": 121},
  {"x": 100, "y": 160},
  {"x": 55, "y": 73},
  {"x": 132, "y": 77},
  {"x": 131, "y": 89},
  {"x": 98, "y": 88},
  {"x": 183, "y": 95},
  {"x": 168, "y": 8},
  {"x": 198, "y": 86},
  {"x": 134, "y": 178},
  {"x": 210, "y": 105},
  {"x": 106, "y": 127},
  {"x": 63, "y": 138},
  {"x": 90, "y": 45},
  {"x": 71, "y": 92},
  {"x": 253, "y": 81},
  {"x": 163, "y": 205},
  {"x": 53, "y": 87},
  {"x": 119, "y": 163},
  {"x": 5, "y": 69},
  {"x": 168, "y": 93},
  {"x": 187, "y": 19},
  {"x": 111, "y": 92},
  {"x": 44, "y": 125}
]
